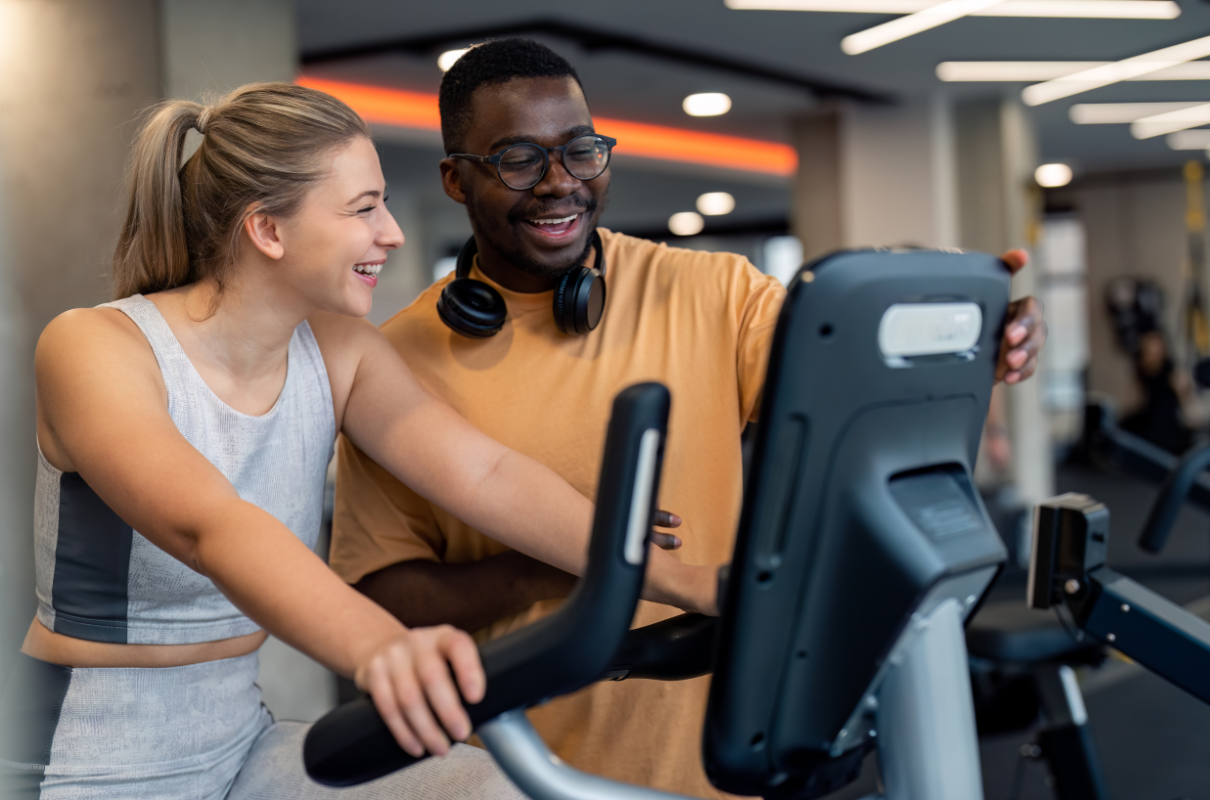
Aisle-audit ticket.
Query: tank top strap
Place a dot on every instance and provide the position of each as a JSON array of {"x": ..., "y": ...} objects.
[{"x": 174, "y": 363}]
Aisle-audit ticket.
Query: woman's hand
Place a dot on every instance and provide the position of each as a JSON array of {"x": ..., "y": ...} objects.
[{"x": 409, "y": 680}]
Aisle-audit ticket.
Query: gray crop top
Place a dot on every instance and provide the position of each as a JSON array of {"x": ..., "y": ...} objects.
[{"x": 100, "y": 580}]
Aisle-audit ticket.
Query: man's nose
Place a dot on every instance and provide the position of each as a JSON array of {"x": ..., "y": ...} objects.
[{"x": 557, "y": 181}]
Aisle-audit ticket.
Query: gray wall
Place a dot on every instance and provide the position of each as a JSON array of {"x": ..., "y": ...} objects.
[{"x": 76, "y": 73}]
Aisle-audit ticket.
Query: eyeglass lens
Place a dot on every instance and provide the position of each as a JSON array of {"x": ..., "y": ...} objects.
[{"x": 584, "y": 157}]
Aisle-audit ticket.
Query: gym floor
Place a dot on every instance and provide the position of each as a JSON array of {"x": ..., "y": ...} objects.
[{"x": 1153, "y": 739}]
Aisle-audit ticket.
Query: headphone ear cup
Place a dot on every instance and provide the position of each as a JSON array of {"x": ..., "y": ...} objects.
[
  {"x": 579, "y": 300},
  {"x": 472, "y": 308}
]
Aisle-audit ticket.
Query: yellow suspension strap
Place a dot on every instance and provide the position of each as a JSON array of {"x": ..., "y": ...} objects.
[{"x": 1197, "y": 327}]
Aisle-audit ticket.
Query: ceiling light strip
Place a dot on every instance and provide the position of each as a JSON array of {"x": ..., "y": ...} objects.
[
  {"x": 1121, "y": 113},
  {"x": 1171, "y": 122},
  {"x": 912, "y": 24},
  {"x": 382, "y": 106},
  {"x": 1126, "y": 69},
  {"x": 1078, "y": 9},
  {"x": 1030, "y": 71},
  {"x": 1189, "y": 140}
]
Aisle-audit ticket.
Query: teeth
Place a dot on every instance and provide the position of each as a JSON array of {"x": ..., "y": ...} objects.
[
  {"x": 553, "y": 221},
  {"x": 367, "y": 269}
]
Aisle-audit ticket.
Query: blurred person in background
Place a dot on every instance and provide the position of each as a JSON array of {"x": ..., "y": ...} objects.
[{"x": 1170, "y": 409}]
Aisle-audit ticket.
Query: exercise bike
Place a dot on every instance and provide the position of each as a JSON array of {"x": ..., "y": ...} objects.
[{"x": 862, "y": 549}]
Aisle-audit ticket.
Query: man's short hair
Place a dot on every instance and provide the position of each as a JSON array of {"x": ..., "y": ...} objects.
[{"x": 493, "y": 62}]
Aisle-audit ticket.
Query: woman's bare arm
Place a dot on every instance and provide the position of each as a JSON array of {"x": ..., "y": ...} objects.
[
  {"x": 102, "y": 413},
  {"x": 435, "y": 451}
]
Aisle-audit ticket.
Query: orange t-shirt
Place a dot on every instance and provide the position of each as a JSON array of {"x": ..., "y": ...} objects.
[{"x": 700, "y": 323}]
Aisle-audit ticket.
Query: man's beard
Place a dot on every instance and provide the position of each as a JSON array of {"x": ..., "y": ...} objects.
[{"x": 518, "y": 258}]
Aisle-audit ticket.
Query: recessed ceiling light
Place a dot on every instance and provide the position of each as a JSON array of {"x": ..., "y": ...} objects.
[
  {"x": 686, "y": 223},
  {"x": 714, "y": 204},
  {"x": 706, "y": 104},
  {"x": 1120, "y": 113},
  {"x": 1189, "y": 140},
  {"x": 447, "y": 59},
  {"x": 1031, "y": 71},
  {"x": 1105, "y": 9},
  {"x": 1171, "y": 122},
  {"x": 910, "y": 25},
  {"x": 1052, "y": 176},
  {"x": 1115, "y": 72}
]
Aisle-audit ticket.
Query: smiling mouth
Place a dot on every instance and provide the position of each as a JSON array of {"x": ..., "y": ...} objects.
[
  {"x": 368, "y": 269},
  {"x": 554, "y": 226}
]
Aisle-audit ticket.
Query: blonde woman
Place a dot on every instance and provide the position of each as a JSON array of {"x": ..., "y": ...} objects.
[{"x": 184, "y": 431}]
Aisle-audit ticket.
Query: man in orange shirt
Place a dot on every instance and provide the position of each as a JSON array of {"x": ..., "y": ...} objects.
[{"x": 531, "y": 170}]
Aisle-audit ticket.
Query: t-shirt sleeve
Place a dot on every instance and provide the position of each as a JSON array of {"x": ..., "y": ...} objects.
[
  {"x": 377, "y": 521},
  {"x": 760, "y": 298}
]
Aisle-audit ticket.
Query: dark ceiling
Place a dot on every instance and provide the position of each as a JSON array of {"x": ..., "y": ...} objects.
[{"x": 647, "y": 87}]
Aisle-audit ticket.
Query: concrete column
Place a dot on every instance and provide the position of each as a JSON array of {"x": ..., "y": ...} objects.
[
  {"x": 212, "y": 47},
  {"x": 998, "y": 202},
  {"x": 875, "y": 176},
  {"x": 76, "y": 73}
]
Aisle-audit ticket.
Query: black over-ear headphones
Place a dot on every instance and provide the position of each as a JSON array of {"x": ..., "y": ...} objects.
[{"x": 472, "y": 308}]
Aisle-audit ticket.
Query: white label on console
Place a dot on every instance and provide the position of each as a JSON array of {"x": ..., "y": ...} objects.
[
  {"x": 640, "y": 502},
  {"x": 928, "y": 329}
]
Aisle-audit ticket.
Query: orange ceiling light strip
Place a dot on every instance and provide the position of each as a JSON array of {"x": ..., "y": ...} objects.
[
  {"x": 382, "y": 106},
  {"x": 695, "y": 147}
]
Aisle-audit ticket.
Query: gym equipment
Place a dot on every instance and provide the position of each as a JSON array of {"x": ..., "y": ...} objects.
[
  {"x": 1068, "y": 572},
  {"x": 862, "y": 548}
]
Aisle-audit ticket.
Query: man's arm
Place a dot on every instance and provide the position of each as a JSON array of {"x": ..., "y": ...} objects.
[
  {"x": 473, "y": 595},
  {"x": 470, "y": 596}
]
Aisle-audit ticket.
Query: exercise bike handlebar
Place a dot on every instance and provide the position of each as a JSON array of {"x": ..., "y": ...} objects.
[
  {"x": 1172, "y": 496},
  {"x": 560, "y": 653}
]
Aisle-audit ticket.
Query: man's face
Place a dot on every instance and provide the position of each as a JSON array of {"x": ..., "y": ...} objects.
[{"x": 517, "y": 224}]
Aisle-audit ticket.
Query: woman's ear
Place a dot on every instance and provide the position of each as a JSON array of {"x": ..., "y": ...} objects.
[{"x": 262, "y": 230}]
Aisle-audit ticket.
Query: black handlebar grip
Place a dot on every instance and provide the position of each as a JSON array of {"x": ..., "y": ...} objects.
[
  {"x": 676, "y": 649},
  {"x": 560, "y": 653},
  {"x": 1172, "y": 496},
  {"x": 352, "y": 745}
]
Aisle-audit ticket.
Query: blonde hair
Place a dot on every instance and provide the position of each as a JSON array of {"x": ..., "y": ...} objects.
[{"x": 262, "y": 146}]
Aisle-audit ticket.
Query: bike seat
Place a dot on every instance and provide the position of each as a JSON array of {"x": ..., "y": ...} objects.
[{"x": 1010, "y": 631}]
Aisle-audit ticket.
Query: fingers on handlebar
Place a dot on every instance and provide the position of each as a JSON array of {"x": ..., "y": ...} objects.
[
  {"x": 412, "y": 687},
  {"x": 377, "y": 682}
]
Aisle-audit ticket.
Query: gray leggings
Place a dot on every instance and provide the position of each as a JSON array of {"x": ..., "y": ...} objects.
[{"x": 185, "y": 733}]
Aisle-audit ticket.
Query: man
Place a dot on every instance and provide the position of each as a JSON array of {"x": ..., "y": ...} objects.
[{"x": 700, "y": 323}]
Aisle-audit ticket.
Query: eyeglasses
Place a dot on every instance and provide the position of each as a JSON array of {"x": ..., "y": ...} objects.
[{"x": 523, "y": 166}]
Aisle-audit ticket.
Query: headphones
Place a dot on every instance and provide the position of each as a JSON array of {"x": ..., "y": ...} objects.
[{"x": 474, "y": 309}]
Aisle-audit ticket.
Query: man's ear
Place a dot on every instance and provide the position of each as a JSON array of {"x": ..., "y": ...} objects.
[
  {"x": 451, "y": 180},
  {"x": 263, "y": 231}
]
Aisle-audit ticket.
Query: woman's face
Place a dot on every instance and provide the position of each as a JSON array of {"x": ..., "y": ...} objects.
[{"x": 338, "y": 240}]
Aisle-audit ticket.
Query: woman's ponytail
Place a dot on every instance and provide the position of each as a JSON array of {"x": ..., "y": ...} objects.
[
  {"x": 152, "y": 253},
  {"x": 262, "y": 147}
]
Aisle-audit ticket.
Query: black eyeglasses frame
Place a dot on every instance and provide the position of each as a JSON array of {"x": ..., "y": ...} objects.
[{"x": 495, "y": 159}]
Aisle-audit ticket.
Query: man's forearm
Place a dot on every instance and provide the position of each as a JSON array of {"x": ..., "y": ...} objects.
[{"x": 469, "y": 596}]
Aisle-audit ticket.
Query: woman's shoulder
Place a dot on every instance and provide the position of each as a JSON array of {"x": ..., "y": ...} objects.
[{"x": 83, "y": 332}]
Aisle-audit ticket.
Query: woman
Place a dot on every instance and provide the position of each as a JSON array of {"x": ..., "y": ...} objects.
[{"x": 184, "y": 432}]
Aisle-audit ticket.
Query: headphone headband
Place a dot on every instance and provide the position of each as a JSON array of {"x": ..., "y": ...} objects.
[{"x": 470, "y": 249}]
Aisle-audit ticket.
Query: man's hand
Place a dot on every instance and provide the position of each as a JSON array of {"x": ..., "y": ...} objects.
[
  {"x": 1024, "y": 333},
  {"x": 666, "y": 541}
]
